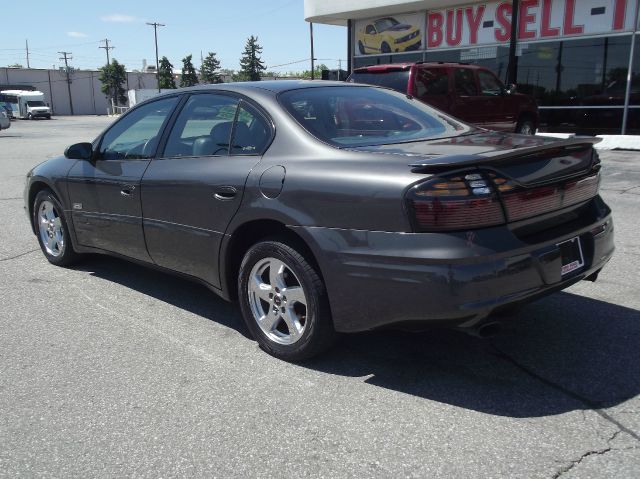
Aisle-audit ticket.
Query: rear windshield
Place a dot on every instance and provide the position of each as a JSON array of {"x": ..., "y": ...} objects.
[
  {"x": 397, "y": 80},
  {"x": 366, "y": 116}
]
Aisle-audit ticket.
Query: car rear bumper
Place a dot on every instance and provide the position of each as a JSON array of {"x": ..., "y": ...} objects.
[{"x": 378, "y": 279}]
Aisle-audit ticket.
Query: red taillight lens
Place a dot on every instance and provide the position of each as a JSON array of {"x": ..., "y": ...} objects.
[
  {"x": 527, "y": 203},
  {"x": 458, "y": 203}
]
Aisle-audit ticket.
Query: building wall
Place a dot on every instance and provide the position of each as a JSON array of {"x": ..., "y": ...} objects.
[{"x": 85, "y": 88}]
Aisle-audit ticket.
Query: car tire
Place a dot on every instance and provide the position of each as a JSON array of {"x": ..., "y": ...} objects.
[
  {"x": 29, "y": 116},
  {"x": 360, "y": 47},
  {"x": 292, "y": 328},
  {"x": 526, "y": 126},
  {"x": 385, "y": 48},
  {"x": 52, "y": 230}
]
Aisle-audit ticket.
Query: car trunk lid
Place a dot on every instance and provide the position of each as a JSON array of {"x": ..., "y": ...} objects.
[{"x": 528, "y": 176}]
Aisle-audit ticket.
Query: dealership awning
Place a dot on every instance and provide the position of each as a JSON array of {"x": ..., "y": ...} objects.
[{"x": 337, "y": 12}]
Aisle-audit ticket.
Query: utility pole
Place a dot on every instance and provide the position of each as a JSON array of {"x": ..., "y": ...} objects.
[
  {"x": 67, "y": 56},
  {"x": 512, "y": 68},
  {"x": 155, "y": 26},
  {"x": 107, "y": 48},
  {"x": 27, "y": 44},
  {"x": 313, "y": 73}
]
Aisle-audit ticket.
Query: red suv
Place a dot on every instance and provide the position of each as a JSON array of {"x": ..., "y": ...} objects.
[{"x": 469, "y": 92}]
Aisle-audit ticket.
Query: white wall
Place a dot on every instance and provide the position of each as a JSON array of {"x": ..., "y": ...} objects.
[
  {"x": 337, "y": 12},
  {"x": 85, "y": 88}
]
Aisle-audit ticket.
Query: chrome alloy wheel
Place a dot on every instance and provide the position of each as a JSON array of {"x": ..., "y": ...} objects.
[
  {"x": 50, "y": 228},
  {"x": 277, "y": 301}
]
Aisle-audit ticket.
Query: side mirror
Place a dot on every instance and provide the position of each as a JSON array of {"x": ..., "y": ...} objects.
[
  {"x": 79, "y": 151},
  {"x": 511, "y": 88}
]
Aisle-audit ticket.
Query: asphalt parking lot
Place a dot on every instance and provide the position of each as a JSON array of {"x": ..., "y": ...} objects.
[{"x": 109, "y": 369}]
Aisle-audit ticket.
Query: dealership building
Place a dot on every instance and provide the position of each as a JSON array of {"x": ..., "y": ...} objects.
[{"x": 580, "y": 59}]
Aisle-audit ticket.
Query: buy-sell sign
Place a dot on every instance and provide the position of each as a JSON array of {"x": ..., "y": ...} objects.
[{"x": 490, "y": 22}]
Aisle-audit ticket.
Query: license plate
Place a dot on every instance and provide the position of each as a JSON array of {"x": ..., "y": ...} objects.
[{"x": 571, "y": 254}]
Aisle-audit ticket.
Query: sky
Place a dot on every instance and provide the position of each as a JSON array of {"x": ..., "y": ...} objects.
[{"x": 191, "y": 27}]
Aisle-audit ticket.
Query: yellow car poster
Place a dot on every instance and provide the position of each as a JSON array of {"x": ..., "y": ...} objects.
[{"x": 389, "y": 34}]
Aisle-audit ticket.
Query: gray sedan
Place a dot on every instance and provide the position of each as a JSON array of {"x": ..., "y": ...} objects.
[{"x": 324, "y": 208}]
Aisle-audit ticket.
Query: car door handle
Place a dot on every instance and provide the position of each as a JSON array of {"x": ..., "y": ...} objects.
[
  {"x": 225, "y": 193},
  {"x": 127, "y": 190}
]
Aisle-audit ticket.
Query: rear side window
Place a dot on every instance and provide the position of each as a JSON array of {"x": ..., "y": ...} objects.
[
  {"x": 432, "y": 81},
  {"x": 252, "y": 133},
  {"x": 397, "y": 80},
  {"x": 203, "y": 127},
  {"x": 465, "y": 83}
]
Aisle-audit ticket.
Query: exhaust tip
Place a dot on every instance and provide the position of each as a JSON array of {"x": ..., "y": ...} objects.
[{"x": 485, "y": 330}]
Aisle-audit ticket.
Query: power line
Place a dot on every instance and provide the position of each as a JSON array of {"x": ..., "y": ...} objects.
[
  {"x": 290, "y": 63},
  {"x": 106, "y": 48}
]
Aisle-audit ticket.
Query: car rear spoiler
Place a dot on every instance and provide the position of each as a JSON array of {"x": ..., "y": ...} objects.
[{"x": 438, "y": 164}]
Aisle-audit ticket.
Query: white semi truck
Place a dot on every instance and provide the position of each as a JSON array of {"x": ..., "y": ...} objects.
[{"x": 26, "y": 104}]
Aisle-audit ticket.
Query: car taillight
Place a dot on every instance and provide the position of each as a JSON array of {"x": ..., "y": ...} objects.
[
  {"x": 521, "y": 203},
  {"x": 461, "y": 202}
]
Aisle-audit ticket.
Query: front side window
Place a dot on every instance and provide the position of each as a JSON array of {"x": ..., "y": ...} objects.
[
  {"x": 365, "y": 116},
  {"x": 489, "y": 85},
  {"x": 203, "y": 127},
  {"x": 136, "y": 135}
]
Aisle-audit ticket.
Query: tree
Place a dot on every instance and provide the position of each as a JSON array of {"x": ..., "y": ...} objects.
[
  {"x": 113, "y": 76},
  {"x": 165, "y": 74},
  {"x": 210, "y": 69},
  {"x": 189, "y": 76},
  {"x": 250, "y": 63},
  {"x": 15, "y": 65},
  {"x": 317, "y": 72}
]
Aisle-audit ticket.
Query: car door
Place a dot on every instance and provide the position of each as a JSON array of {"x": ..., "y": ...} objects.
[
  {"x": 467, "y": 104},
  {"x": 495, "y": 116},
  {"x": 105, "y": 191},
  {"x": 192, "y": 191}
]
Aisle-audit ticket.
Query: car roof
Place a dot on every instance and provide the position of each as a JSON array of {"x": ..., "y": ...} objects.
[
  {"x": 406, "y": 66},
  {"x": 275, "y": 86}
]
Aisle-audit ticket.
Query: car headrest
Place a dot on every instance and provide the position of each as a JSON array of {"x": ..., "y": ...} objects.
[
  {"x": 242, "y": 137},
  {"x": 221, "y": 133},
  {"x": 203, "y": 146}
]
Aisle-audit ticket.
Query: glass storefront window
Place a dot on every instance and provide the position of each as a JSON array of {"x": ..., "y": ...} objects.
[
  {"x": 494, "y": 58},
  {"x": 589, "y": 71},
  {"x": 368, "y": 60}
]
